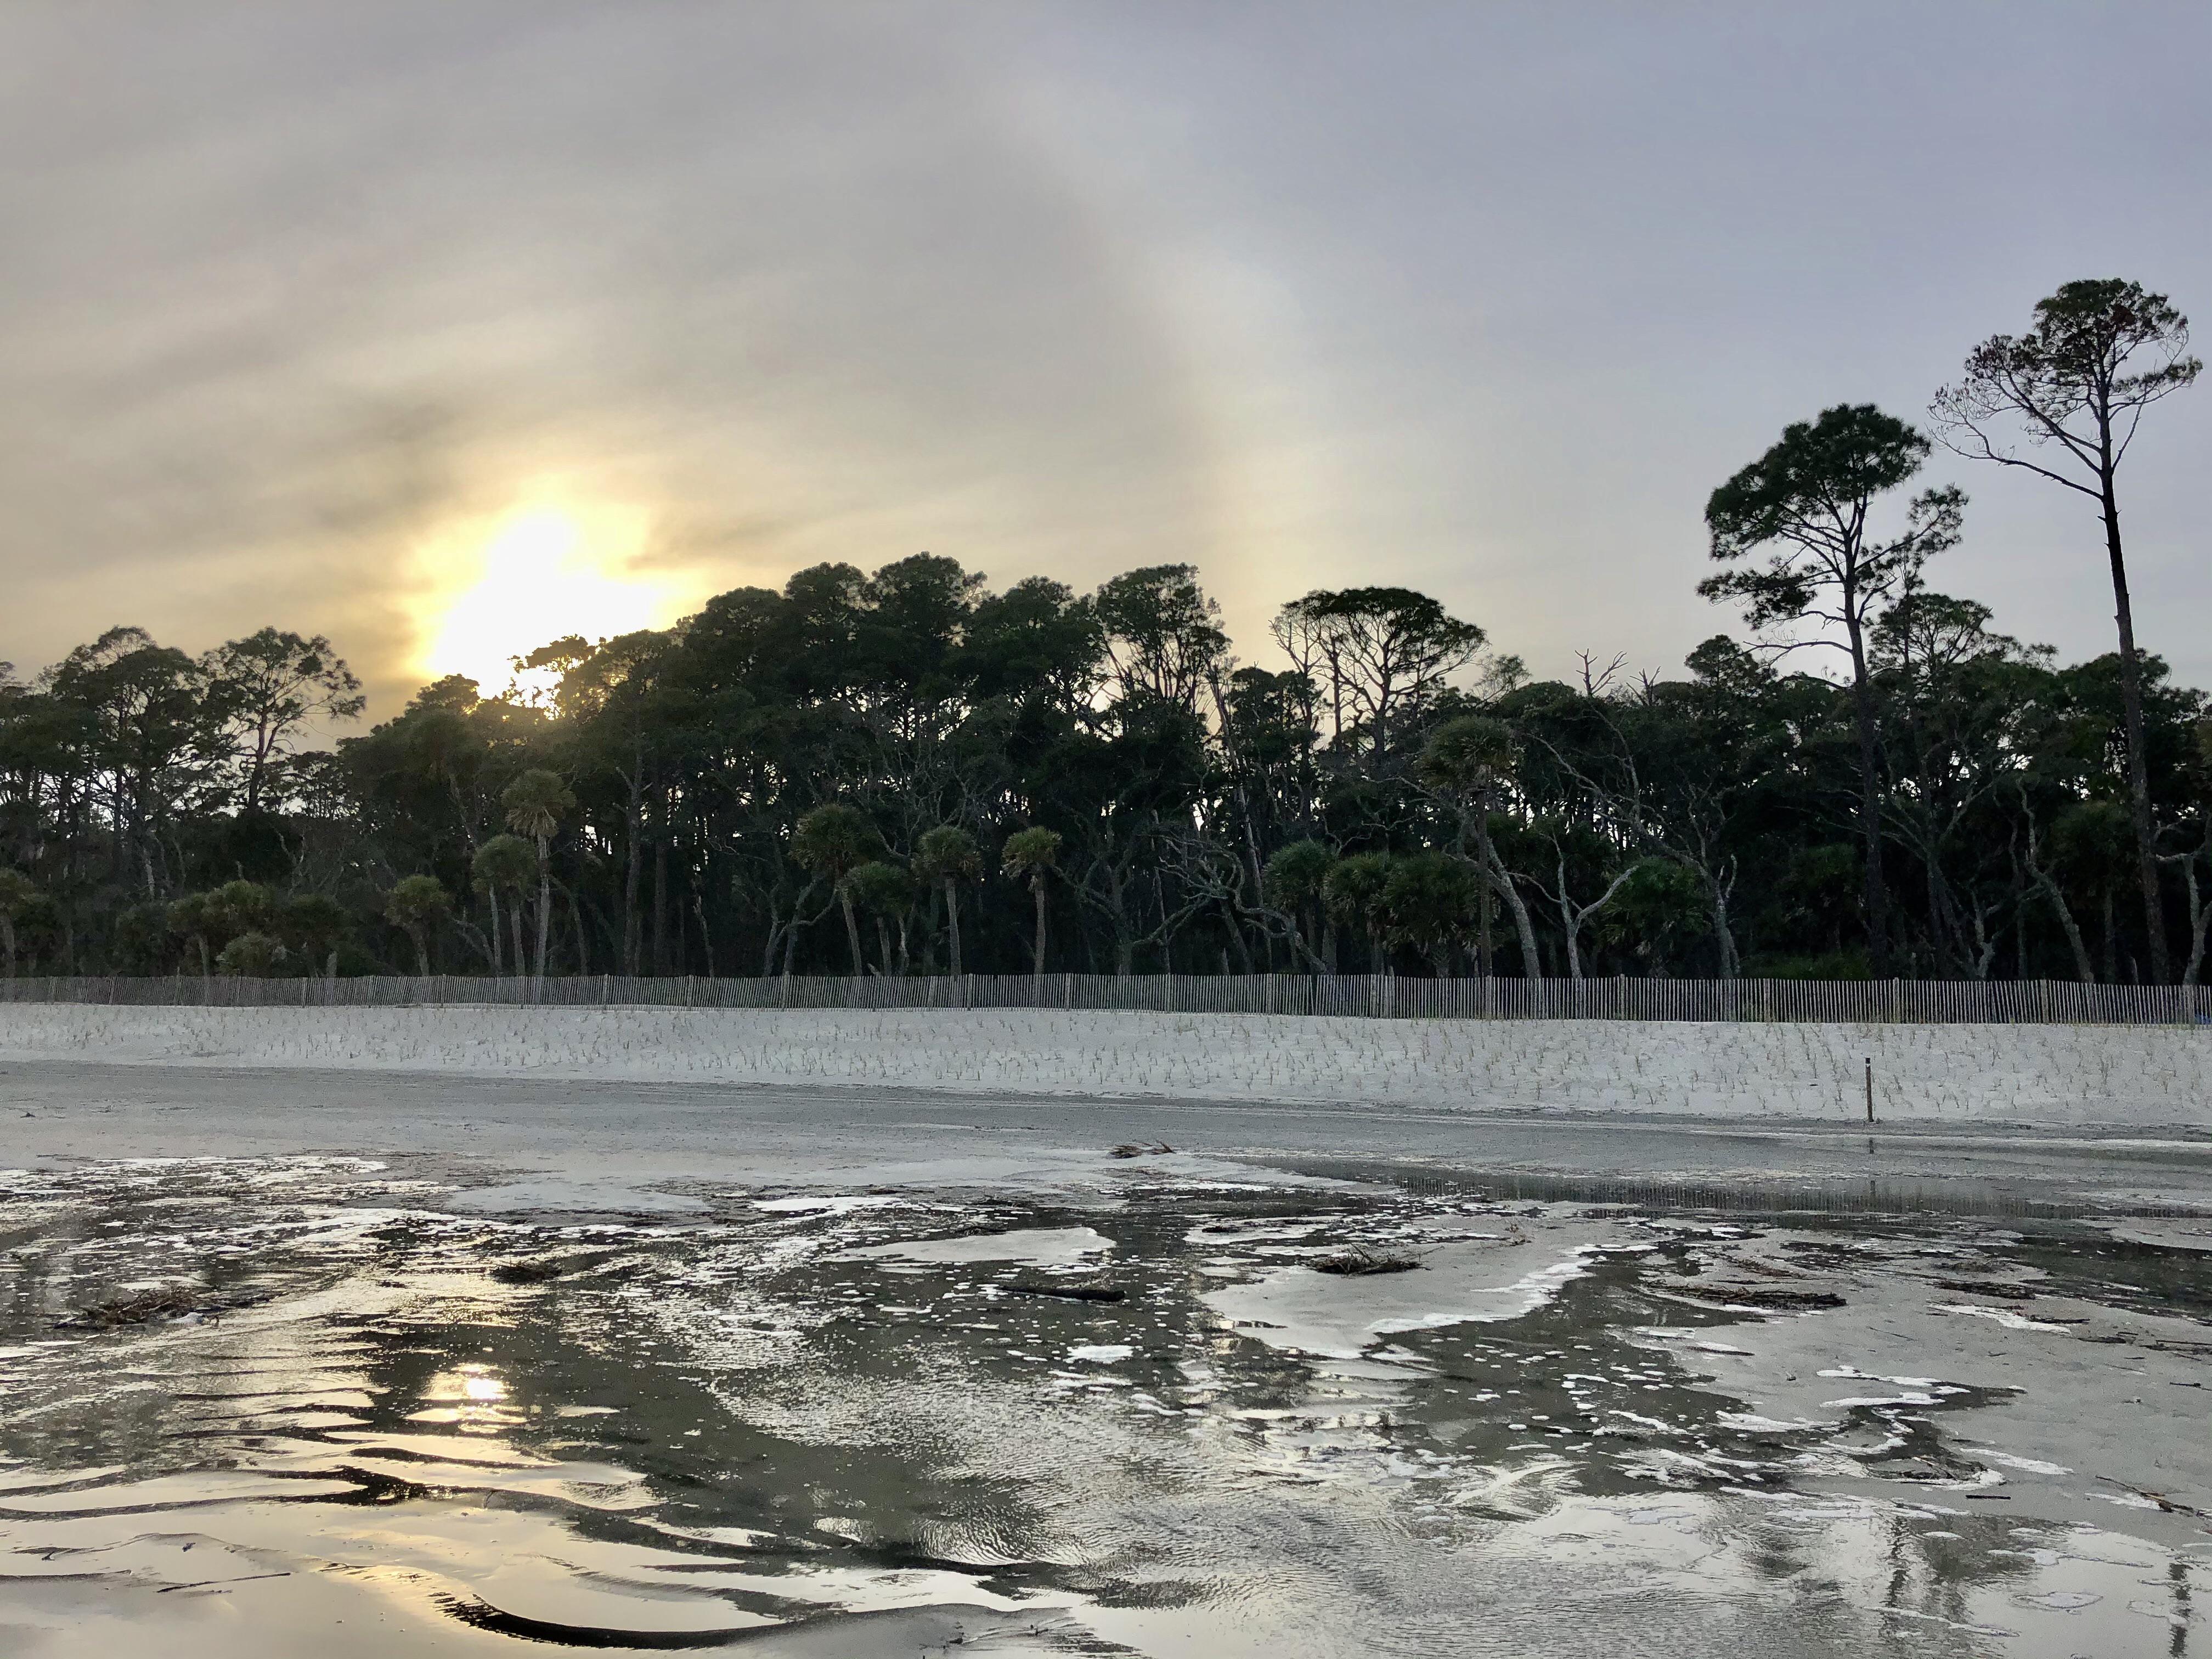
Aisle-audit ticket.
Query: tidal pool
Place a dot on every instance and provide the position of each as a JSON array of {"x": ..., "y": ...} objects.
[{"x": 284, "y": 1405}]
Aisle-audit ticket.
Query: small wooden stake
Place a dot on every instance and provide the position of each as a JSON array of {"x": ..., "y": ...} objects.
[{"x": 1869, "y": 1086}]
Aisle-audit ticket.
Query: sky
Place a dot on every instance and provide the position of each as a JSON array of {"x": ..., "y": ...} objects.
[{"x": 432, "y": 326}]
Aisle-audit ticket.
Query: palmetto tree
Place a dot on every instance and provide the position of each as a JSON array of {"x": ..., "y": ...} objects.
[
  {"x": 1293, "y": 883},
  {"x": 416, "y": 905},
  {"x": 190, "y": 917},
  {"x": 312, "y": 924},
  {"x": 1352, "y": 892},
  {"x": 242, "y": 906},
  {"x": 885, "y": 892},
  {"x": 536, "y": 802},
  {"x": 1034, "y": 853},
  {"x": 1472, "y": 758},
  {"x": 251, "y": 956},
  {"x": 949, "y": 854},
  {"x": 505, "y": 863},
  {"x": 1428, "y": 902},
  {"x": 835, "y": 840}
]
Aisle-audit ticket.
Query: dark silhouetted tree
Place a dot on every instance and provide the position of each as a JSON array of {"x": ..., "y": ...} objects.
[
  {"x": 2075, "y": 385},
  {"x": 1807, "y": 502}
]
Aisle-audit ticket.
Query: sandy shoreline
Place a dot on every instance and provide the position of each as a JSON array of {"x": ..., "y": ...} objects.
[{"x": 2109, "y": 1076}]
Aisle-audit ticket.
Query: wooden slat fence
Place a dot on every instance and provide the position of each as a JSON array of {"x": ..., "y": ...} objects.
[{"x": 1926, "y": 1002}]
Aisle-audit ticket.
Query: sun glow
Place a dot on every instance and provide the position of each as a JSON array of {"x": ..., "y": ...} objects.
[{"x": 534, "y": 575}]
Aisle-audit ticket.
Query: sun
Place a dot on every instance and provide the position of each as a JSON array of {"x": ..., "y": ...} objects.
[{"x": 533, "y": 575}]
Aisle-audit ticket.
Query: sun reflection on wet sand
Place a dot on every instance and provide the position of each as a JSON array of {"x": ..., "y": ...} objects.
[{"x": 930, "y": 1421}]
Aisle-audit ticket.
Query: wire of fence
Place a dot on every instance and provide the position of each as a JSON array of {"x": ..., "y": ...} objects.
[{"x": 1379, "y": 996}]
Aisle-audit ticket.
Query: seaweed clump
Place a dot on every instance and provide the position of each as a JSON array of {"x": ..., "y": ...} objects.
[{"x": 1361, "y": 1263}]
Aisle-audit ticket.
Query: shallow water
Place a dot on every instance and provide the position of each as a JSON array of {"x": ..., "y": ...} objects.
[{"x": 410, "y": 1416}]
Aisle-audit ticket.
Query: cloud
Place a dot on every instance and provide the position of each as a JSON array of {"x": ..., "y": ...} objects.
[{"x": 1481, "y": 302}]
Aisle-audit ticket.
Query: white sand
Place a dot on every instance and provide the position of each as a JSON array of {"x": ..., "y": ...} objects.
[{"x": 2110, "y": 1075}]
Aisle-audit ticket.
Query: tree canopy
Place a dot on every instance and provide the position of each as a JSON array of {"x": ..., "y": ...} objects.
[{"x": 1001, "y": 779}]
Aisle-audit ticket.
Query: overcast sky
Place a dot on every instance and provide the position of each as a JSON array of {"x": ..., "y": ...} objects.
[{"x": 1481, "y": 299}]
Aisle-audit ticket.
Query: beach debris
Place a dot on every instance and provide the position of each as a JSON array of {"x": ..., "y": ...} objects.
[
  {"x": 136, "y": 1308},
  {"x": 1776, "y": 1298},
  {"x": 1140, "y": 1149},
  {"x": 1360, "y": 1262},
  {"x": 1984, "y": 1287},
  {"x": 1067, "y": 1293}
]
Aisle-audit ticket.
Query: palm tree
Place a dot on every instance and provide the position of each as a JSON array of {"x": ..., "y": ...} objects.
[
  {"x": 1470, "y": 758},
  {"x": 504, "y": 864},
  {"x": 1293, "y": 883},
  {"x": 242, "y": 906},
  {"x": 535, "y": 802},
  {"x": 251, "y": 956},
  {"x": 884, "y": 891},
  {"x": 313, "y": 924},
  {"x": 1352, "y": 891},
  {"x": 1428, "y": 900},
  {"x": 417, "y": 904},
  {"x": 1033, "y": 852},
  {"x": 189, "y": 916},
  {"x": 948, "y": 854},
  {"x": 18, "y": 892},
  {"x": 834, "y": 839}
]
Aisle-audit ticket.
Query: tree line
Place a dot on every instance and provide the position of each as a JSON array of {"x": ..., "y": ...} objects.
[{"x": 905, "y": 772}]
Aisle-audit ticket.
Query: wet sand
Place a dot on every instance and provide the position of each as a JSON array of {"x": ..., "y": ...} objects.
[{"x": 467, "y": 1365}]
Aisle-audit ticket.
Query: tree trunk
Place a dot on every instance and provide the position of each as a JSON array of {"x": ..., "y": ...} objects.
[
  {"x": 706, "y": 937},
  {"x": 660, "y": 888},
  {"x": 514, "y": 935},
  {"x": 2161, "y": 971},
  {"x": 422, "y": 955},
  {"x": 544, "y": 909},
  {"x": 498, "y": 967},
  {"x": 1723, "y": 933},
  {"x": 852, "y": 928},
  {"x": 1874, "y": 897},
  {"x": 1570, "y": 925},
  {"x": 1036, "y": 886},
  {"x": 2084, "y": 969},
  {"x": 2200, "y": 922},
  {"x": 1236, "y": 937},
  {"x": 7, "y": 942},
  {"x": 952, "y": 918},
  {"x": 884, "y": 945},
  {"x": 791, "y": 937},
  {"x": 1532, "y": 966},
  {"x": 633, "y": 865}
]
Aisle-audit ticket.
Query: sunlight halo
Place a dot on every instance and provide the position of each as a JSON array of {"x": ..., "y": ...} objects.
[{"x": 535, "y": 574}]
